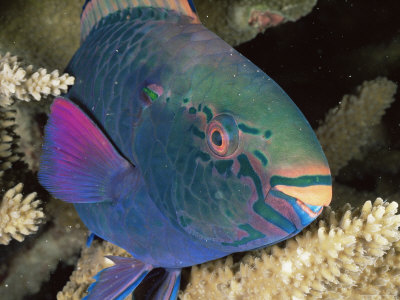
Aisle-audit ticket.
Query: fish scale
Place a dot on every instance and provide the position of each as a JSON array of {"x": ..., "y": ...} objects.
[{"x": 175, "y": 147}]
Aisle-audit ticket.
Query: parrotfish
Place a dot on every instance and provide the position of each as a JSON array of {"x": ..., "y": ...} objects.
[{"x": 175, "y": 147}]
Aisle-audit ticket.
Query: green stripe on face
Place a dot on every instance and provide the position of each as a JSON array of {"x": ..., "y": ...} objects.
[
  {"x": 253, "y": 235},
  {"x": 261, "y": 157},
  {"x": 203, "y": 156},
  {"x": 247, "y": 129},
  {"x": 260, "y": 207},
  {"x": 197, "y": 132},
  {"x": 207, "y": 111},
  {"x": 267, "y": 134},
  {"x": 223, "y": 166},
  {"x": 301, "y": 181}
]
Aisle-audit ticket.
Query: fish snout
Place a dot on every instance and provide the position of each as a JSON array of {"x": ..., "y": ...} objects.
[
  {"x": 317, "y": 195},
  {"x": 299, "y": 198},
  {"x": 314, "y": 188}
]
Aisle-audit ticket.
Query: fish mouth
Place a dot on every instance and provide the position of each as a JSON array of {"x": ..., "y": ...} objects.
[
  {"x": 299, "y": 195},
  {"x": 314, "y": 190},
  {"x": 300, "y": 213},
  {"x": 315, "y": 195}
]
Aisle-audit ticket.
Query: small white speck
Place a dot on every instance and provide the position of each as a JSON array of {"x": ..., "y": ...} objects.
[{"x": 219, "y": 195}]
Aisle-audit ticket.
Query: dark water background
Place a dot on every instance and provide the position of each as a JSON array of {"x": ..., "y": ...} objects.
[{"x": 327, "y": 54}]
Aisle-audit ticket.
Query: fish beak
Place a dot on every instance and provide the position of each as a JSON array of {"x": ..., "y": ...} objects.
[
  {"x": 317, "y": 195},
  {"x": 306, "y": 190},
  {"x": 311, "y": 185}
]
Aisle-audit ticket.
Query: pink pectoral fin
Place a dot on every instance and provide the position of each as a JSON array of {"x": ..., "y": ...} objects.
[{"x": 77, "y": 160}]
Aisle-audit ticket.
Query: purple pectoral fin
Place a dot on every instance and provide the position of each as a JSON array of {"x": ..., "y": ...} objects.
[
  {"x": 78, "y": 161},
  {"x": 118, "y": 281}
]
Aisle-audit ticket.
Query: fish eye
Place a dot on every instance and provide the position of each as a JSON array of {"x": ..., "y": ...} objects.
[
  {"x": 223, "y": 135},
  {"x": 216, "y": 138}
]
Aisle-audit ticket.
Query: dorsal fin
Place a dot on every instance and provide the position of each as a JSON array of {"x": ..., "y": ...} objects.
[{"x": 94, "y": 10}]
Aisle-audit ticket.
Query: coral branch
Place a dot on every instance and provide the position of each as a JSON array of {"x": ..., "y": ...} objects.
[
  {"x": 244, "y": 19},
  {"x": 24, "y": 84},
  {"x": 61, "y": 241},
  {"x": 331, "y": 257},
  {"x": 7, "y": 155},
  {"x": 349, "y": 126},
  {"x": 92, "y": 261},
  {"x": 18, "y": 216}
]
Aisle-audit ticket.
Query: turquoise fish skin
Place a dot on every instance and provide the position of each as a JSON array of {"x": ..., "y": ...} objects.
[{"x": 225, "y": 162}]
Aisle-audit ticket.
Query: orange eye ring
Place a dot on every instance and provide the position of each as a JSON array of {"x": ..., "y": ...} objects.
[
  {"x": 223, "y": 135},
  {"x": 219, "y": 141}
]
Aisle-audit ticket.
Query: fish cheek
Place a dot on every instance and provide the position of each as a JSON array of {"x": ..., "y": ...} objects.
[
  {"x": 211, "y": 202},
  {"x": 164, "y": 139},
  {"x": 194, "y": 190}
]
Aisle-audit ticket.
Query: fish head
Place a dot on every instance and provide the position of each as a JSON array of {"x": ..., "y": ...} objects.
[{"x": 229, "y": 158}]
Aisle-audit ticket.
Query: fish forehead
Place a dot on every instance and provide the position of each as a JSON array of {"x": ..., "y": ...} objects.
[{"x": 227, "y": 82}]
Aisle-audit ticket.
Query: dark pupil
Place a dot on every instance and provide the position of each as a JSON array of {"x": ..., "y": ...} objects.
[{"x": 216, "y": 138}]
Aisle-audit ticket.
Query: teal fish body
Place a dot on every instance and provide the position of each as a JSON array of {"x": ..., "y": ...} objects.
[{"x": 174, "y": 146}]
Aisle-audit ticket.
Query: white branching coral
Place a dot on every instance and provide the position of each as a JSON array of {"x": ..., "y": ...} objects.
[
  {"x": 349, "y": 126},
  {"x": 61, "y": 240},
  {"x": 25, "y": 84},
  {"x": 7, "y": 155},
  {"x": 92, "y": 261},
  {"x": 19, "y": 216},
  {"x": 327, "y": 259}
]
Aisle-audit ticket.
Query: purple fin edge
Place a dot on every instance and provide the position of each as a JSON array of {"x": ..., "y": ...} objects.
[
  {"x": 118, "y": 281},
  {"x": 170, "y": 287}
]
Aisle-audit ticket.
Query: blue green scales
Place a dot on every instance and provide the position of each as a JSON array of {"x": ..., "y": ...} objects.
[{"x": 175, "y": 147}]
